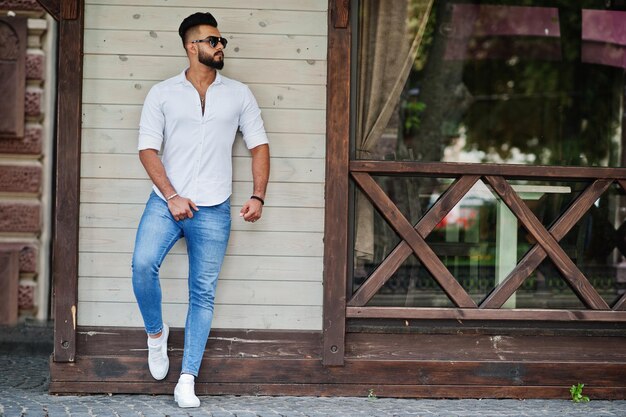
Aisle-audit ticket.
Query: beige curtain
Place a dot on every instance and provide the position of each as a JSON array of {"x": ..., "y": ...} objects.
[{"x": 390, "y": 35}]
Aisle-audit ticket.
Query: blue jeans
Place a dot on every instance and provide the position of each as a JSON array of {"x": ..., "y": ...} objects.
[{"x": 207, "y": 234}]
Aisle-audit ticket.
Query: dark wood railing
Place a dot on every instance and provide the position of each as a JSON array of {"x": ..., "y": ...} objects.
[{"x": 413, "y": 240}]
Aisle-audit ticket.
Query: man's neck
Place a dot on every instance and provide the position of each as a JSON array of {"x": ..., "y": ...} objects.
[{"x": 201, "y": 76}]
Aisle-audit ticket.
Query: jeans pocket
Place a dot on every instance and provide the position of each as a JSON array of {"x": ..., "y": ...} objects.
[{"x": 224, "y": 207}]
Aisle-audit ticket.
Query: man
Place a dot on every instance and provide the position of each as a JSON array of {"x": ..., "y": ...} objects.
[{"x": 194, "y": 117}]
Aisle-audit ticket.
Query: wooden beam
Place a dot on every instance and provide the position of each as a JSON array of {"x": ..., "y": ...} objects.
[
  {"x": 232, "y": 343},
  {"x": 52, "y": 7},
  {"x": 536, "y": 255},
  {"x": 336, "y": 215},
  {"x": 394, "y": 260},
  {"x": 385, "y": 370},
  {"x": 577, "y": 281},
  {"x": 449, "y": 199},
  {"x": 71, "y": 9},
  {"x": 485, "y": 314},
  {"x": 418, "y": 245},
  {"x": 340, "y": 13},
  {"x": 449, "y": 169},
  {"x": 409, "y": 364},
  {"x": 546, "y": 345},
  {"x": 68, "y": 137}
]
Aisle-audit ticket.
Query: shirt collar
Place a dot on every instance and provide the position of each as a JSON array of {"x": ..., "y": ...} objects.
[{"x": 182, "y": 78}]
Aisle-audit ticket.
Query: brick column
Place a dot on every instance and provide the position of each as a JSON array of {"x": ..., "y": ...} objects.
[{"x": 21, "y": 168}]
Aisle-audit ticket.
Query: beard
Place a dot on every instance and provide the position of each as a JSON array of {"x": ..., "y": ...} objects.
[{"x": 210, "y": 60}]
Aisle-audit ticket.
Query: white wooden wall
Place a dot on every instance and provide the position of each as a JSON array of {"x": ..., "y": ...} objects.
[{"x": 272, "y": 275}]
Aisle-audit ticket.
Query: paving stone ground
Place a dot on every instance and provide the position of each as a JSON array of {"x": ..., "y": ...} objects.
[{"x": 24, "y": 379}]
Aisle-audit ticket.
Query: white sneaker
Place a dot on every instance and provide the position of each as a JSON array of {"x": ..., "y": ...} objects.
[
  {"x": 185, "y": 396},
  {"x": 158, "y": 361}
]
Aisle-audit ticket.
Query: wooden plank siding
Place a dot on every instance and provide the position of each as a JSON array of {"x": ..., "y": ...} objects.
[
  {"x": 302, "y": 170},
  {"x": 231, "y": 21},
  {"x": 131, "y": 92},
  {"x": 130, "y": 191},
  {"x": 306, "y": 5},
  {"x": 144, "y": 67},
  {"x": 272, "y": 274}
]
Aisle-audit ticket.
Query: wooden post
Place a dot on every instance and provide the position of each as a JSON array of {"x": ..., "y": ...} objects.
[
  {"x": 337, "y": 161},
  {"x": 68, "y": 137}
]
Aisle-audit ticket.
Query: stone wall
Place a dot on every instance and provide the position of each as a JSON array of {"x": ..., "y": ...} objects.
[{"x": 23, "y": 163}]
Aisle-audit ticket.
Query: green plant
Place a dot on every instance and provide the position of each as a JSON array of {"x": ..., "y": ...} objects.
[
  {"x": 413, "y": 111},
  {"x": 577, "y": 393},
  {"x": 371, "y": 396}
]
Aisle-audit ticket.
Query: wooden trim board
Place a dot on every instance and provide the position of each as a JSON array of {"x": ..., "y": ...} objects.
[
  {"x": 337, "y": 159},
  {"x": 68, "y": 138},
  {"x": 396, "y": 365}
]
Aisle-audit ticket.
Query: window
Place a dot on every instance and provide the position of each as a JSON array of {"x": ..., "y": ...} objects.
[{"x": 538, "y": 83}]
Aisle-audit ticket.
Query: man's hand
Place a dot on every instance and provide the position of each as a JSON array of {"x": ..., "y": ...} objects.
[
  {"x": 181, "y": 207},
  {"x": 251, "y": 210}
]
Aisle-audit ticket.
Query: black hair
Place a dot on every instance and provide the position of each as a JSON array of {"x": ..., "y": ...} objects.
[{"x": 196, "y": 19}]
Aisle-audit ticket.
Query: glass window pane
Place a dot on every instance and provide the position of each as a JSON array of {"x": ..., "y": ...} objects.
[
  {"x": 509, "y": 82},
  {"x": 516, "y": 82}
]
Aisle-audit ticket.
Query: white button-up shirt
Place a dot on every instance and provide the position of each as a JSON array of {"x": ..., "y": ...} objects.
[{"x": 197, "y": 148}]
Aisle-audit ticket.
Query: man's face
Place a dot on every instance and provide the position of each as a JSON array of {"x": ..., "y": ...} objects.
[{"x": 212, "y": 57}]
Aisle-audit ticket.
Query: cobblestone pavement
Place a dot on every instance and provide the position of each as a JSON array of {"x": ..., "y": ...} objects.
[{"x": 24, "y": 383}]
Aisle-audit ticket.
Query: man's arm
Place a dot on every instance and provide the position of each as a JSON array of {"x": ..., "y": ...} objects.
[
  {"x": 253, "y": 208},
  {"x": 180, "y": 207}
]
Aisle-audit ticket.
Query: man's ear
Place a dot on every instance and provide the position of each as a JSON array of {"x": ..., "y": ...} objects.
[{"x": 191, "y": 48}]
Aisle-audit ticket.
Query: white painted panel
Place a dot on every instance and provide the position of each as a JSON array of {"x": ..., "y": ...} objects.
[
  {"x": 161, "y": 43},
  {"x": 143, "y": 67},
  {"x": 226, "y": 316},
  {"x": 313, "y": 5},
  {"x": 175, "y": 291},
  {"x": 272, "y": 275},
  {"x": 240, "y": 243},
  {"x": 275, "y": 120},
  {"x": 229, "y": 20},
  {"x": 124, "y": 141},
  {"x": 127, "y": 191},
  {"x": 128, "y": 166},
  {"x": 267, "y": 95},
  {"x": 276, "y": 219},
  {"x": 254, "y": 268}
]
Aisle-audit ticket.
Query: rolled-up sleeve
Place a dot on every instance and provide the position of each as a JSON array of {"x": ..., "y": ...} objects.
[
  {"x": 250, "y": 121},
  {"x": 152, "y": 122}
]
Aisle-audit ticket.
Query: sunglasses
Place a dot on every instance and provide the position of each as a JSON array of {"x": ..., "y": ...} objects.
[{"x": 213, "y": 40}]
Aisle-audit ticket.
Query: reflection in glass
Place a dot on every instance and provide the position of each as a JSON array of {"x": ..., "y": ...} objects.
[{"x": 509, "y": 82}]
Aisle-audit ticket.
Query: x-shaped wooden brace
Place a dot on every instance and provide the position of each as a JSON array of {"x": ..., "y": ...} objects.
[
  {"x": 413, "y": 240},
  {"x": 537, "y": 254},
  {"x": 548, "y": 241}
]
